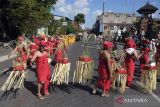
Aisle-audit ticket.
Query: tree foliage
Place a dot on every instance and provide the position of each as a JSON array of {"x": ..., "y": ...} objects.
[
  {"x": 70, "y": 29},
  {"x": 79, "y": 18},
  {"x": 25, "y": 16}
]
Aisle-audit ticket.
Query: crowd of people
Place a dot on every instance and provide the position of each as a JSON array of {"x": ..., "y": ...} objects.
[
  {"x": 40, "y": 50},
  {"x": 149, "y": 58}
]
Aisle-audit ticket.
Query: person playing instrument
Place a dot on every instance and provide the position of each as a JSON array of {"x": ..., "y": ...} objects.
[
  {"x": 42, "y": 70},
  {"x": 105, "y": 68},
  {"x": 131, "y": 55}
]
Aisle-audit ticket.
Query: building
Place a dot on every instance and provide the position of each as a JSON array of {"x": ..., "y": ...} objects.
[
  {"x": 110, "y": 22},
  {"x": 57, "y": 17},
  {"x": 147, "y": 26},
  {"x": 156, "y": 22}
]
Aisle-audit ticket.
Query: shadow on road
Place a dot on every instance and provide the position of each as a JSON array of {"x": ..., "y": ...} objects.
[
  {"x": 65, "y": 88},
  {"x": 31, "y": 86},
  {"x": 9, "y": 94},
  {"x": 82, "y": 87},
  {"x": 70, "y": 87},
  {"x": 6, "y": 72}
]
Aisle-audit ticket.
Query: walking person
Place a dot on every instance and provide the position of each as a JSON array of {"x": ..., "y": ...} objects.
[
  {"x": 42, "y": 71},
  {"x": 105, "y": 68},
  {"x": 131, "y": 56}
]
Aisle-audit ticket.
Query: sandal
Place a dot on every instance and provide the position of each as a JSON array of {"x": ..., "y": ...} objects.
[
  {"x": 46, "y": 94},
  {"x": 126, "y": 87},
  {"x": 104, "y": 94},
  {"x": 40, "y": 96},
  {"x": 94, "y": 92}
]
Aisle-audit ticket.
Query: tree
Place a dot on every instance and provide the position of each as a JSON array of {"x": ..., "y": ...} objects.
[
  {"x": 79, "y": 18},
  {"x": 70, "y": 29},
  {"x": 25, "y": 16}
]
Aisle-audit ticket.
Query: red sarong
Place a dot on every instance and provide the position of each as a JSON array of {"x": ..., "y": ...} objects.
[
  {"x": 103, "y": 75},
  {"x": 144, "y": 58},
  {"x": 58, "y": 55},
  {"x": 33, "y": 49},
  {"x": 43, "y": 71},
  {"x": 129, "y": 62}
]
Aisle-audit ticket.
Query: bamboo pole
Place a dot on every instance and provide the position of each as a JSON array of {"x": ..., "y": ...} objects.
[
  {"x": 12, "y": 80},
  {"x": 3, "y": 88},
  {"x": 62, "y": 73}
]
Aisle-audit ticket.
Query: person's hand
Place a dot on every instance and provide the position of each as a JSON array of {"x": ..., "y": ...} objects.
[{"x": 143, "y": 51}]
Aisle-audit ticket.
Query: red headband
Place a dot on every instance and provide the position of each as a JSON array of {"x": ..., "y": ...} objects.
[
  {"x": 130, "y": 44},
  {"x": 107, "y": 45},
  {"x": 145, "y": 41}
]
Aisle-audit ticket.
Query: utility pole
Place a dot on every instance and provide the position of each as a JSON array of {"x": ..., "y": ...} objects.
[
  {"x": 103, "y": 5},
  {"x": 102, "y": 24}
]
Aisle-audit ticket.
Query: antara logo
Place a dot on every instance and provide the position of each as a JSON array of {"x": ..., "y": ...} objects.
[
  {"x": 122, "y": 100},
  {"x": 119, "y": 100}
]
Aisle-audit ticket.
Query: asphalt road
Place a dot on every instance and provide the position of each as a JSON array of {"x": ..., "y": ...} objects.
[{"x": 74, "y": 95}]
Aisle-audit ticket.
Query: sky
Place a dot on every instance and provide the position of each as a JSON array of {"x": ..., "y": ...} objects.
[{"x": 93, "y": 8}]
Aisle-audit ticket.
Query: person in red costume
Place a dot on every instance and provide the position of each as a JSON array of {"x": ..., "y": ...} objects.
[
  {"x": 44, "y": 43},
  {"x": 105, "y": 68},
  {"x": 54, "y": 44},
  {"x": 35, "y": 40},
  {"x": 33, "y": 47},
  {"x": 145, "y": 49},
  {"x": 131, "y": 55},
  {"x": 21, "y": 49},
  {"x": 42, "y": 71},
  {"x": 58, "y": 55},
  {"x": 50, "y": 45},
  {"x": 157, "y": 57}
]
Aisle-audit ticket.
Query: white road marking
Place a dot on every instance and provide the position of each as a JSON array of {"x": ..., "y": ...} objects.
[
  {"x": 5, "y": 69},
  {"x": 153, "y": 94},
  {"x": 5, "y": 57}
]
